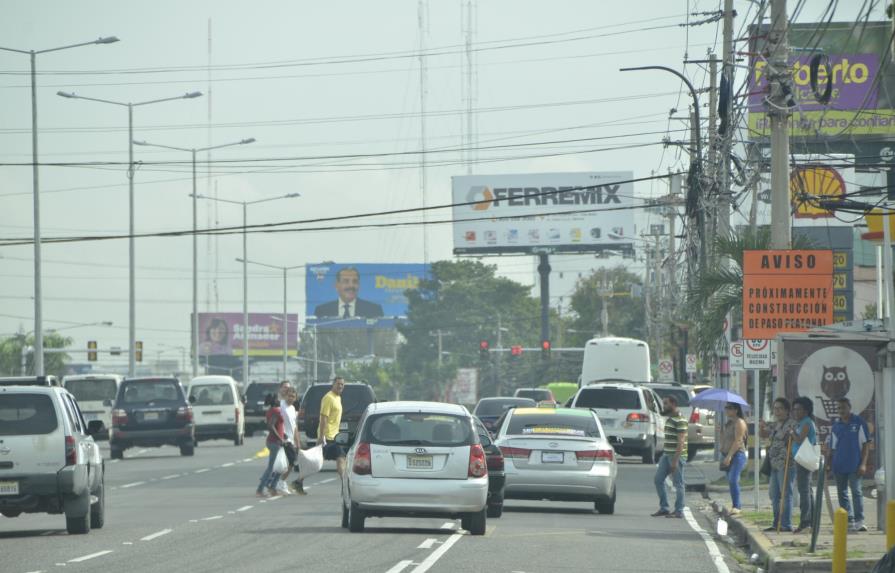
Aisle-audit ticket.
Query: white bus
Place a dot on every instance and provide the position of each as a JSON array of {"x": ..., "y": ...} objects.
[{"x": 615, "y": 359}]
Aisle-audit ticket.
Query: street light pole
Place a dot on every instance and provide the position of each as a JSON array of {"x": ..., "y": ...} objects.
[
  {"x": 132, "y": 287},
  {"x": 38, "y": 288}
]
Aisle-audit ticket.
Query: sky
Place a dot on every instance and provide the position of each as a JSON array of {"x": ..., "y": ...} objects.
[{"x": 332, "y": 89}]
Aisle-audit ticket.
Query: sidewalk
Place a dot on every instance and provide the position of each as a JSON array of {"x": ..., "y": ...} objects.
[{"x": 787, "y": 552}]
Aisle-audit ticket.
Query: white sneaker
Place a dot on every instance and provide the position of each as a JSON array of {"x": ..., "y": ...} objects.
[{"x": 282, "y": 488}]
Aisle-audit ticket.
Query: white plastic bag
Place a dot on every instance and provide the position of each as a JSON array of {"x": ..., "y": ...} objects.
[
  {"x": 309, "y": 461},
  {"x": 808, "y": 456},
  {"x": 280, "y": 464}
]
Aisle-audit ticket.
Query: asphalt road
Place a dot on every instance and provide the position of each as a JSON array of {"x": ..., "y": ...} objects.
[{"x": 171, "y": 513}]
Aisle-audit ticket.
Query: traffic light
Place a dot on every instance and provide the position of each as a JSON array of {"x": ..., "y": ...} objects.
[
  {"x": 138, "y": 355},
  {"x": 516, "y": 351},
  {"x": 484, "y": 347},
  {"x": 91, "y": 351},
  {"x": 545, "y": 349}
]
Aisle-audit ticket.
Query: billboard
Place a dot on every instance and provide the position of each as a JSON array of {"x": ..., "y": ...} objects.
[
  {"x": 862, "y": 85},
  {"x": 221, "y": 334},
  {"x": 534, "y": 212},
  {"x": 359, "y": 295}
]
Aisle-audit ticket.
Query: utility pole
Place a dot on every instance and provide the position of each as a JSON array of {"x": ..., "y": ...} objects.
[{"x": 778, "y": 110}]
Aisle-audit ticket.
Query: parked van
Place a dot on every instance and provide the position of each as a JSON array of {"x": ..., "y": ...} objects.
[
  {"x": 95, "y": 394},
  {"x": 217, "y": 408},
  {"x": 614, "y": 359}
]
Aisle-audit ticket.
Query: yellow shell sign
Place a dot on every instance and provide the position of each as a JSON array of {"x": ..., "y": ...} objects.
[{"x": 809, "y": 185}]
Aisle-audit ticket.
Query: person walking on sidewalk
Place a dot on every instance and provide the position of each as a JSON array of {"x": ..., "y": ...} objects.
[
  {"x": 849, "y": 445},
  {"x": 275, "y": 438},
  {"x": 671, "y": 463},
  {"x": 802, "y": 411},
  {"x": 733, "y": 448},
  {"x": 780, "y": 433}
]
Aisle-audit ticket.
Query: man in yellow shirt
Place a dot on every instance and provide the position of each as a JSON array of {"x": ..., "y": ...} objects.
[{"x": 330, "y": 418}]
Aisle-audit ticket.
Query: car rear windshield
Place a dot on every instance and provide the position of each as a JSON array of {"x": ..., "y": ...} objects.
[
  {"x": 615, "y": 398},
  {"x": 683, "y": 397},
  {"x": 553, "y": 424},
  {"x": 419, "y": 429},
  {"x": 212, "y": 395},
  {"x": 257, "y": 392},
  {"x": 154, "y": 391},
  {"x": 497, "y": 407},
  {"x": 26, "y": 414},
  {"x": 95, "y": 390},
  {"x": 537, "y": 394},
  {"x": 355, "y": 399}
]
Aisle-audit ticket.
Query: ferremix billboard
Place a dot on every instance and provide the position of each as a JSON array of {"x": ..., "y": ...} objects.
[
  {"x": 533, "y": 212},
  {"x": 221, "y": 334},
  {"x": 359, "y": 295}
]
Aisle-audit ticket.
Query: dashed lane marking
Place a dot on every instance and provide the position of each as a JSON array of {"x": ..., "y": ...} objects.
[
  {"x": 212, "y": 518},
  {"x": 401, "y": 565},
  {"x": 326, "y": 481},
  {"x": 91, "y": 556},
  {"x": 227, "y": 465},
  {"x": 245, "y": 508},
  {"x": 172, "y": 476},
  {"x": 427, "y": 544},
  {"x": 156, "y": 535},
  {"x": 714, "y": 552},
  {"x": 127, "y": 542},
  {"x": 133, "y": 484},
  {"x": 433, "y": 557},
  {"x": 247, "y": 459},
  {"x": 202, "y": 471},
  {"x": 449, "y": 525}
]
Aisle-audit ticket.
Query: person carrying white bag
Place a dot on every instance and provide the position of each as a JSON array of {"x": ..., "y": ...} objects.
[
  {"x": 307, "y": 463},
  {"x": 805, "y": 437}
]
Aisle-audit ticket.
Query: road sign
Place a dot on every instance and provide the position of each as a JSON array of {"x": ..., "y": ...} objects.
[
  {"x": 666, "y": 370},
  {"x": 691, "y": 364},
  {"x": 736, "y": 356},
  {"x": 757, "y": 354}
]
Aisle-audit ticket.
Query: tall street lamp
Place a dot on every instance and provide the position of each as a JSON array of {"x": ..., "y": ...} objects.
[
  {"x": 38, "y": 292},
  {"x": 194, "y": 151},
  {"x": 285, "y": 314},
  {"x": 245, "y": 273},
  {"x": 132, "y": 310}
]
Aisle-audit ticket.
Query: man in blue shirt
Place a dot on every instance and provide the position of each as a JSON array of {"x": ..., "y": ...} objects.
[{"x": 849, "y": 444}]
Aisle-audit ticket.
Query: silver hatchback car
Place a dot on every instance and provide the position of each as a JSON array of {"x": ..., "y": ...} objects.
[
  {"x": 415, "y": 459},
  {"x": 559, "y": 454}
]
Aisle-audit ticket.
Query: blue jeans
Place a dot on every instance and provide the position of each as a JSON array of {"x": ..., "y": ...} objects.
[
  {"x": 269, "y": 477},
  {"x": 737, "y": 463},
  {"x": 851, "y": 481},
  {"x": 776, "y": 488},
  {"x": 806, "y": 500},
  {"x": 677, "y": 478}
]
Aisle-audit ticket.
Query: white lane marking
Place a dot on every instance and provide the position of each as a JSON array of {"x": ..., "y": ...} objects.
[
  {"x": 156, "y": 535},
  {"x": 245, "y": 508},
  {"x": 127, "y": 542},
  {"x": 449, "y": 525},
  {"x": 213, "y": 517},
  {"x": 34, "y": 572},
  {"x": 247, "y": 459},
  {"x": 202, "y": 471},
  {"x": 714, "y": 552},
  {"x": 194, "y": 521},
  {"x": 277, "y": 497},
  {"x": 427, "y": 544},
  {"x": 91, "y": 556},
  {"x": 429, "y": 561},
  {"x": 60, "y": 564},
  {"x": 402, "y": 565},
  {"x": 326, "y": 481},
  {"x": 227, "y": 465},
  {"x": 134, "y": 484},
  {"x": 172, "y": 476}
]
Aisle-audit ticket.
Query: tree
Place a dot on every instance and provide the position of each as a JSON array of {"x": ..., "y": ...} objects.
[
  {"x": 11, "y": 354},
  {"x": 626, "y": 312}
]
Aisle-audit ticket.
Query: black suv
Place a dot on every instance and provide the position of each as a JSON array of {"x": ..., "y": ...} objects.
[
  {"x": 258, "y": 397},
  {"x": 151, "y": 412},
  {"x": 355, "y": 398}
]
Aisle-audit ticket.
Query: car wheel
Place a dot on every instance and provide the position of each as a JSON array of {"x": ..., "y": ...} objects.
[
  {"x": 116, "y": 454},
  {"x": 80, "y": 524},
  {"x": 355, "y": 519},
  {"x": 495, "y": 510},
  {"x": 344, "y": 516},
  {"x": 606, "y": 507},
  {"x": 11, "y": 513},
  {"x": 98, "y": 509},
  {"x": 649, "y": 454},
  {"x": 187, "y": 450},
  {"x": 474, "y": 523}
]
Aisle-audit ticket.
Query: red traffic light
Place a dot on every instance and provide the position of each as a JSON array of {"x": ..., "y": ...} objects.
[
  {"x": 545, "y": 345},
  {"x": 516, "y": 350},
  {"x": 484, "y": 345}
]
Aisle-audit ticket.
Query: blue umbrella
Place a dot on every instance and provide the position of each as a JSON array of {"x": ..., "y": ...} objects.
[{"x": 716, "y": 398}]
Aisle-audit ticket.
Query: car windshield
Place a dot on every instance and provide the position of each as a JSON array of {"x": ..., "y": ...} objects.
[
  {"x": 683, "y": 397},
  {"x": 496, "y": 407},
  {"x": 537, "y": 394},
  {"x": 96, "y": 389},
  {"x": 139, "y": 392},
  {"x": 212, "y": 395},
  {"x": 419, "y": 429},
  {"x": 257, "y": 392},
  {"x": 615, "y": 398},
  {"x": 26, "y": 414},
  {"x": 553, "y": 424}
]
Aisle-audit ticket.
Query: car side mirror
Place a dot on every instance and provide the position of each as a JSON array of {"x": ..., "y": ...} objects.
[
  {"x": 343, "y": 438},
  {"x": 94, "y": 427},
  {"x": 107, "y": 403},
  {"x": 192, "y": 399}
]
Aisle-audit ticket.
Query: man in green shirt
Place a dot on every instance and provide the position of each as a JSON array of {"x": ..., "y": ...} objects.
[{"x": 672, "y": 461}]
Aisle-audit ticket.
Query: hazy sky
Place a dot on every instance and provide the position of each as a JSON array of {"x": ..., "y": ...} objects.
[{"x": 289, "y": 75}]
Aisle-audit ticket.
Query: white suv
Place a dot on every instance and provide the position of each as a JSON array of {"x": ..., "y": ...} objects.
[
  {"x": 49, "y": 462},
  {"x": 631, "y": 416}
]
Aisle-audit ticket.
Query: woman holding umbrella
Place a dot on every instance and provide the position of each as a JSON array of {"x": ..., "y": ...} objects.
[
  {"x": 733, "y": 448},
  {"x": 780, "y": 433}
]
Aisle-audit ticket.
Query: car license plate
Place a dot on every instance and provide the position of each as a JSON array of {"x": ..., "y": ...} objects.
[
  {"x": 419, "y": 462},
  {"x": 150, "y": 415},
  {"x": 551, "y": 457},
  {"x": 343, "y": 426},
  {"x": 9, "y": 488}
]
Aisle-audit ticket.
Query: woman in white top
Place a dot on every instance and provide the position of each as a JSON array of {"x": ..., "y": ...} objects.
[{"x": 290, "y": 430}]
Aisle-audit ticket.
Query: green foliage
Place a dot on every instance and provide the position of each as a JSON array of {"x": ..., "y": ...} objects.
[
  {"x": 626, "y": 312},
  {"x": 11, "y": 354}
]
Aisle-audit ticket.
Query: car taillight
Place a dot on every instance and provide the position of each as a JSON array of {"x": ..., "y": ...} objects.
[
  {"x": 119, "y": 417},
  {"x": 185, "y": 414},
  {"x": 495, "y": 463},
  {"x": 515, "y": 453},
  {"x": 595, "y": 455},
  {"x": 638, "y": 417},
  {"x": 71, "y": 454},
  {"x": 478, "y": 466},
  {"x": 694, "y": 417},
  {"x": 363, "y": 461}
]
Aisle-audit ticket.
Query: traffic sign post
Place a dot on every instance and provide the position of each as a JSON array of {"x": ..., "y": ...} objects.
[
  {"x": 666, "y": 370},
  {"x": 757, "y": 354},
  {"x": 691, "y": 364},
  {"x": 736, "y": 356}
]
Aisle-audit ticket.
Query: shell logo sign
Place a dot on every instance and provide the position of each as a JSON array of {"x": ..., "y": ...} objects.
[{"x": 808, "y": 185}]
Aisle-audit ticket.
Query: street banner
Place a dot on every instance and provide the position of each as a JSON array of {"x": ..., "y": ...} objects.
[
  {"x": 786, "y": 291},
  {"x": 464, "y": 388},
  {"x": 221, "y": 334}
]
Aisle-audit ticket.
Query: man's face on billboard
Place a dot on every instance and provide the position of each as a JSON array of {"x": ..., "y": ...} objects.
[{"x": 347, "y": 284}]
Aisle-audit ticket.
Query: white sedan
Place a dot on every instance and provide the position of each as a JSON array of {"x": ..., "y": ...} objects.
[{"x": 415, "y": 459}]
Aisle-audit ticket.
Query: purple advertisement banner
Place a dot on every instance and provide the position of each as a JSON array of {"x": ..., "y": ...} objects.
[
  {"x": 853, "y": 77},
  {"x": 221, "y": 333}
]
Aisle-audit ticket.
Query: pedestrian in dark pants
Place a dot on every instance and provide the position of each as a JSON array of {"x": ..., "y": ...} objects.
[
  {"x": 782, "y": 475},
  {"x": 275, "y": 439},
  {"x": 848, "y": 444},
  {"x": 672, "y": 461},
  {"x": 733, "y": 448},
  {"x": 802, "y": 411}
]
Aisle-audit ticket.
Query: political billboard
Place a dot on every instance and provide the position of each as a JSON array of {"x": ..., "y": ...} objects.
[
  {"x": 221, "y": 334},
  {"x": 543, "y": 212},
  {"x": 359, "y": 295}
]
